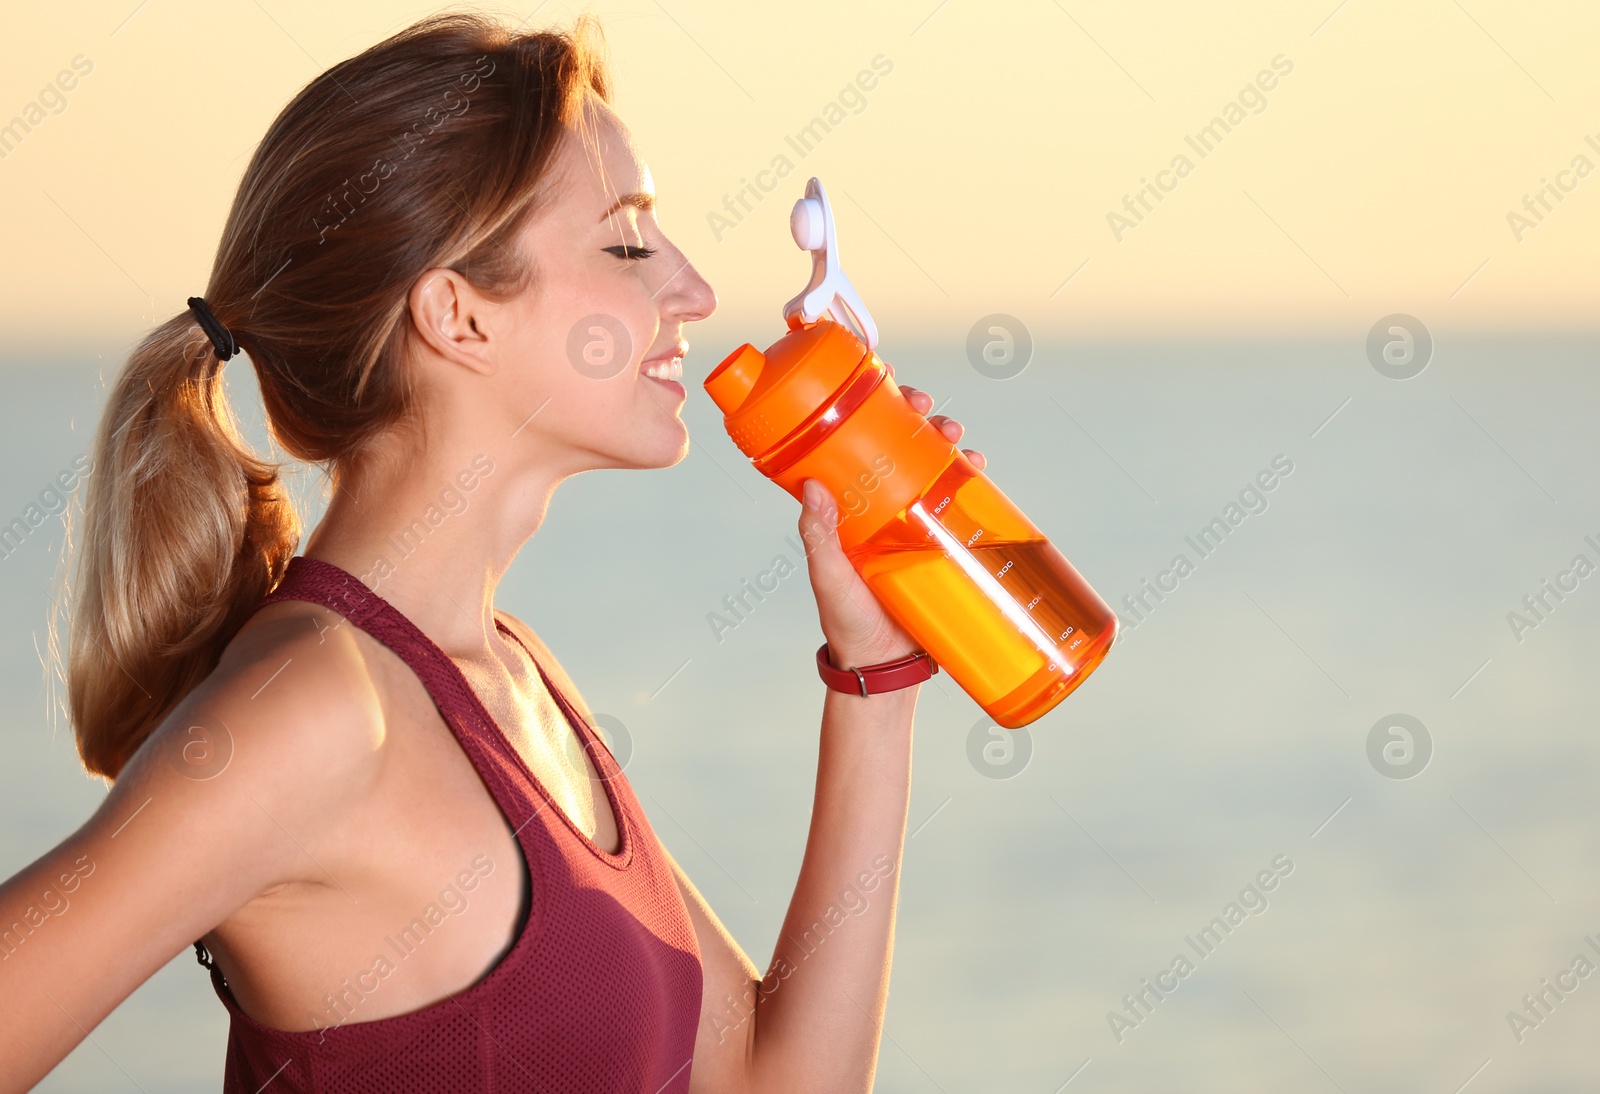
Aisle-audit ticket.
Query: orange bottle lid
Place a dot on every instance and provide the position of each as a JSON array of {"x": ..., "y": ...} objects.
[{"x": 766, "y": 396}]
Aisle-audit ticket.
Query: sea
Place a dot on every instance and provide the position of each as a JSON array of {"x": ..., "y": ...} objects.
[{"x": 1325, "y": 819}]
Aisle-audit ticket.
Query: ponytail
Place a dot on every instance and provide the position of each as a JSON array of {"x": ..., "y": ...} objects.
[{"x": 184, "y": 530}]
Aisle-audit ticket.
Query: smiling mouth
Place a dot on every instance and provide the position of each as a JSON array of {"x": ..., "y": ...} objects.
[{"x": 669, "y": 369}]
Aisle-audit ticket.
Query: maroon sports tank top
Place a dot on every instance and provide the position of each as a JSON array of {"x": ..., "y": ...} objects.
[{"x": 600, "y": 992}]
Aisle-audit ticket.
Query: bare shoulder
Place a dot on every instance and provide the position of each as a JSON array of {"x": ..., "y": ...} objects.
[
  {"x": 296, "y": 687},
  {"x": 286, "y": 726},
  {"x": 235, "y": 793},
  {"x": 547, "y": 659},
  {"x": 284, "y": 736}
]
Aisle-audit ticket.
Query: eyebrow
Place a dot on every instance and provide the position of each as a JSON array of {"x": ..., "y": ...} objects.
[{"x": 642, "y": 202}]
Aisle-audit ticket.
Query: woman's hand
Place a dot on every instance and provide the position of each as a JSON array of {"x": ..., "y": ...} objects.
[{"x": 858, "y": 630}]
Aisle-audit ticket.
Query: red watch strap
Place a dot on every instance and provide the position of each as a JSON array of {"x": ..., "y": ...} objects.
[{"x": 864, "y": 680}]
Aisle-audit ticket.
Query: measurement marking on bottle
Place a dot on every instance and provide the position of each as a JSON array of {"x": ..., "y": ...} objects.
[
  {"x": 1032, "y": 603},
  {"x": 1001, "y": 572},
  {"x": 941, "y": 505},
  {"x": 974, "y": 537}
]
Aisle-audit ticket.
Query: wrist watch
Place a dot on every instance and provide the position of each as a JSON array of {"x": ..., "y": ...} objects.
[{"x": 865, "y": 680}]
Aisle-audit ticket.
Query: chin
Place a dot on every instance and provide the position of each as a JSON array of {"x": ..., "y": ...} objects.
[
  {"x": 659, "y": 453},
  {"x": 676, "y": 455}
]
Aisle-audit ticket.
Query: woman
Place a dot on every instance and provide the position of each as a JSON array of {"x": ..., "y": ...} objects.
[{"x": 379, "y": 803}]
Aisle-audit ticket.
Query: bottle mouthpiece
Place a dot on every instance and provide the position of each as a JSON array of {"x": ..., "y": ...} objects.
[{"x": 829, "y": 291}]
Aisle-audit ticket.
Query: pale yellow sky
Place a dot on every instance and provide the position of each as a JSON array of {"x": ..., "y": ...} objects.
[{"x": 1376, "y": 174}]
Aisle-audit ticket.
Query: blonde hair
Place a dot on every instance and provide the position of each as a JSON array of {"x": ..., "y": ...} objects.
[{"x": 427, "y": 150}]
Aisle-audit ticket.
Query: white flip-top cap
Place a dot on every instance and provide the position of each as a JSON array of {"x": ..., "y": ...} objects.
[{"x": 829, "y": 290}]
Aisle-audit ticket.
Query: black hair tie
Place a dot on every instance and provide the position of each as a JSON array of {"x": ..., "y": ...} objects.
[{"x": 221, "y": 337}]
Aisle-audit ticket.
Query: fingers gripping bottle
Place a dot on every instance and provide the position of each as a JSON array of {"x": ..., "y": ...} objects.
[{"x": 948, "y": 555}]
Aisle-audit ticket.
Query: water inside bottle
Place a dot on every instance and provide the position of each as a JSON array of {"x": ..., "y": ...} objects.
[{"x": 991, "y": 598}]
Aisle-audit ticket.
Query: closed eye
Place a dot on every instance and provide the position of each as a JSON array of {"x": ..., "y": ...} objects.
[{"x": 628, "y": 252}]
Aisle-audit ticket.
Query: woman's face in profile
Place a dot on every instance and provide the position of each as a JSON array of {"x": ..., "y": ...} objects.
[{"x": 610, "y": 299}]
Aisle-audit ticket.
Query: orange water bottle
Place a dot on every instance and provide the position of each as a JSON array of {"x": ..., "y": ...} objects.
[{"x": 949, "y": 556}]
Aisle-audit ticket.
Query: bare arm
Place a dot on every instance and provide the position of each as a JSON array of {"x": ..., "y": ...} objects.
[
  {"x": 815, "y": 1021},
  {"x": 813, "y": 1024},
  {"x": 169, "y": 854}
]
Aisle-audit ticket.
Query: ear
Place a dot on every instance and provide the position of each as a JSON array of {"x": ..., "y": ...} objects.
[{"x": 451, "y": 317}]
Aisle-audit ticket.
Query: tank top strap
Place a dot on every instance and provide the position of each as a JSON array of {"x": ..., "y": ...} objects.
[{"x": 340, "y": 591}]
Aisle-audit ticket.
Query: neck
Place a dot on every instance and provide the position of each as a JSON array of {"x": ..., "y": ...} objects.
[{"x": 432, "y": 528}]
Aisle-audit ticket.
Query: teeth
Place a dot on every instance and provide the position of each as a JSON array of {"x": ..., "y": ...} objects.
[{"x": 665, "y": 370}]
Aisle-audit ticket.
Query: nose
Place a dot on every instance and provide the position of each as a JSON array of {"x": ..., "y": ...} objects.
[{"x": 687, "y": 296}]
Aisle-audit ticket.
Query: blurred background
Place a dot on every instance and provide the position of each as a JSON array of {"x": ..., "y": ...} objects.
[{"x": 1378, "y": 268}]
